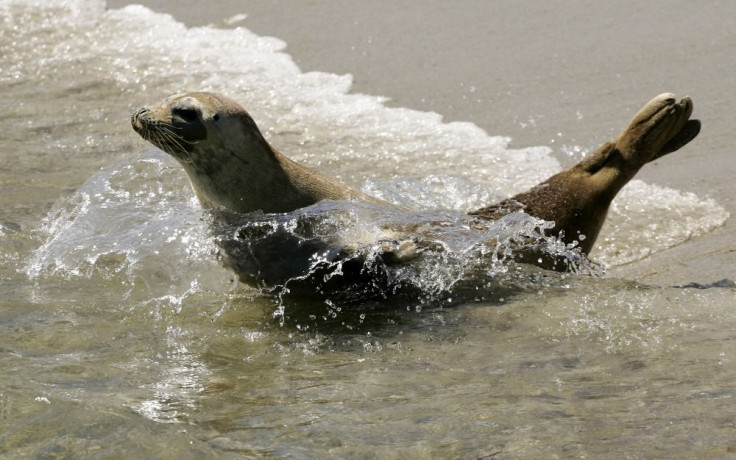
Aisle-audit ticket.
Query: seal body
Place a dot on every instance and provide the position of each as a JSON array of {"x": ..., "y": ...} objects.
[{"x": 232, "y": 166}]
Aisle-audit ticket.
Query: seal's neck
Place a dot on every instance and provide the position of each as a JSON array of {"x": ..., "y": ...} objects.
[
  {"x": 240, "y": 176},
  {"x": 239, "y": 170}
]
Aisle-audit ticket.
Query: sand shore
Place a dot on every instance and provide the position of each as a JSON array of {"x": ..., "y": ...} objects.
[{"x": 556, "y": 73}]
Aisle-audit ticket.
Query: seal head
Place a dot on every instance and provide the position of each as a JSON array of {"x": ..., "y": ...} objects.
[{"x": 228, "y": 161}]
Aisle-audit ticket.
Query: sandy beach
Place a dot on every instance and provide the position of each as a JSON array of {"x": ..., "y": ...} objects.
[{"x": 558, "y": 73}]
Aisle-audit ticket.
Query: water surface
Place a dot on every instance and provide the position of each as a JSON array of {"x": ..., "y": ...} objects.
[{"x": 122, "y": 334}]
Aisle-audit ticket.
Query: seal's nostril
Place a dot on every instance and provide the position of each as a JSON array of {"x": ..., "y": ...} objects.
[
  {"x": 135, "y": 119},
  {"x": 140, "y": 112}
]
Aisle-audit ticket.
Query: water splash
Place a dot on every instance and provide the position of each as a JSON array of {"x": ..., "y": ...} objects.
[{"x": 133, "y": 223}]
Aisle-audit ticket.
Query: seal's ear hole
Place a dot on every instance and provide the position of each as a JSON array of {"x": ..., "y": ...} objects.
[{"x": 216, "y": 116}]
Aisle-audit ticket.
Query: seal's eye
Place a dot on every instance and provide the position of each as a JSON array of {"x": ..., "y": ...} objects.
[
  {"x": 187, "y": 114},
  {"x": 216, "y": 116}
]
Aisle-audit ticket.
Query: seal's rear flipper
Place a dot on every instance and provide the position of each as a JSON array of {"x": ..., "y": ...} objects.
[
  {"x": 688, "y": 132},
  {"x": 577, "y": 199},
  {"x": 660, "y": 127}
]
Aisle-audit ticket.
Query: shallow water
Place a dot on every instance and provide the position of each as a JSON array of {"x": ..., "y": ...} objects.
[{"x": 122, "y": 334}]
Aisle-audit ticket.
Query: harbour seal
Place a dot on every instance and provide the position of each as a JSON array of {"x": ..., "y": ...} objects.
[{"x": 231, "y": 165}]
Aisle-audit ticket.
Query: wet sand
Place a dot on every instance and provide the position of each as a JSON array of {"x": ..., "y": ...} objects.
[{"x": 559, "y": 73}]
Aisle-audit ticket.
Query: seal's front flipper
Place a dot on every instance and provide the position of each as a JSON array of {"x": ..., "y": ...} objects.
[{"x": 396, "y": 252}]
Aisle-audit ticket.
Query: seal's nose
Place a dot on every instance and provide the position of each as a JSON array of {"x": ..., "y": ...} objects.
[{"x": 135, "y": 119}]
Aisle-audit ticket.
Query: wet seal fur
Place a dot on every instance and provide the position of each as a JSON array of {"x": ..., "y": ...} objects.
[{"x": 231, "y": 166}]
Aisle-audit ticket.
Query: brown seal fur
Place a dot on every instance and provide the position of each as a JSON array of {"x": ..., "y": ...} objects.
[
  {"x": 577, "y": 199},
  {"x": 231, "y": 165}
]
